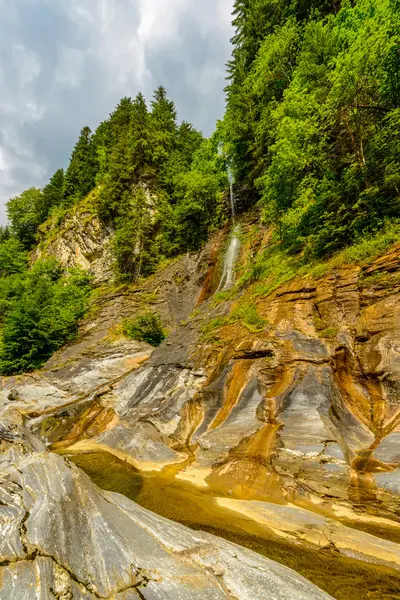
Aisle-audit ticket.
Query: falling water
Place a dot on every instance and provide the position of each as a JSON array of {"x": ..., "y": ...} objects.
[
  {"x": 231, "y": 256},
  {"x": 233, "y": 207},
  {"x": 228, "y": 272}
]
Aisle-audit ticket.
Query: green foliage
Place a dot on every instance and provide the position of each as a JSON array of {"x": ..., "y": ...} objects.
[
  {"x": 244, "y": 314},
  {"x": 157, "y": 183},
  {"x": 24, "y": 215},
  {"x": 5, "y": 233},
  {"x": 52, "y": 195},
  {"x": 81, "y": 173},
  {"x": 40, "y": 309},
  {"x": 145, "y": 328},
  {"x": 12, "y": 257},
  {"x": 209, "y": 330},
  {"x": 163, "y": 127},
  {"x": 276, "y": 266},
  {"x": 313, "y": 119},
  {"x": 132, "y": 242},
  {"x": 162, "y": 186},
  {"x": 248, "y": 316}
]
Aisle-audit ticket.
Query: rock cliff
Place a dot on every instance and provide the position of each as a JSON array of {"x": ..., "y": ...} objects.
[
  {"x": 80, "y": 240},
  {"x": 281, "y": 437}
]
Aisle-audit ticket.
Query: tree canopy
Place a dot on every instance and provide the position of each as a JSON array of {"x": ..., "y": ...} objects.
[
  {"x": 311, "y": 131},
  {"x": 313, "y": 121}
]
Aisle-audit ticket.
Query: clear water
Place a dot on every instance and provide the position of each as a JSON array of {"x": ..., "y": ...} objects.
[{"x": 344, "y": 578}]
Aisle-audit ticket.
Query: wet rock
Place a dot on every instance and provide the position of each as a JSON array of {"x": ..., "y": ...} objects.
[
  {"x": 302, "y": 413},
  {"x": 63, "y": 538}
]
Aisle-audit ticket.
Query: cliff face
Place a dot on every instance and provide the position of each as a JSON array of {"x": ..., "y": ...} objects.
[
  {"x": 281, "y": 435},
  {"x": 80, "y": 240},
  {"x": 63, "y": 538}
]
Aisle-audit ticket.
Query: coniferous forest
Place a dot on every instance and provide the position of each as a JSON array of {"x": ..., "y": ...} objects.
[{"x": 311, "y": 133}]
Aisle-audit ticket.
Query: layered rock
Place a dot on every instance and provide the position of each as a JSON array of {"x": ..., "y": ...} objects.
[
  {"x": 63, "y": 538},
  {"x": 80, "y": 240},
  {"x": 308, "y": 406},
  {"x": 288, "y": 432}
]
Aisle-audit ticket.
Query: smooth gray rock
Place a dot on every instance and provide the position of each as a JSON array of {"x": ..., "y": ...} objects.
[{"x": 64, "y": 539}]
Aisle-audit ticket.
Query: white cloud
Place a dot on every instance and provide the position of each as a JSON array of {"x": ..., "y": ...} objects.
[
  {"x": 159, "y": 20},
  {"x": 26, "y": 64},
  {"x": 64, "y": 64},
  {"x": 71, "y": 68}
]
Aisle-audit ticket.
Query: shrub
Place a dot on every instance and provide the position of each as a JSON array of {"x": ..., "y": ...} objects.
[
  {"x": 248, "y": 316},
  {"x": 145, "y": 328}
]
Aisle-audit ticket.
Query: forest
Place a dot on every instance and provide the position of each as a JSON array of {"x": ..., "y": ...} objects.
[
  {"x": 311, "y": 133},
  {"x": 313, "y": 117}
]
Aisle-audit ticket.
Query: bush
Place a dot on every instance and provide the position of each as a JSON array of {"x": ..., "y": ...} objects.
[
  {"x": 12, "y": 257},
  {"x": 145, "y": 328},
  {"x": 248, "y": 316}
]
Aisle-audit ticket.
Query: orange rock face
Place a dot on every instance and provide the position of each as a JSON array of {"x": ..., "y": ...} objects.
[{"x": 300, "y": 411}]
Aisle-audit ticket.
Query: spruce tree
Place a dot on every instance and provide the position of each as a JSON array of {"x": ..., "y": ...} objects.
[
  {"x": 163, "y": 126},
  {"x": 81, "y": 173},
  {"x": 139, "y": 141},
  {"x": 52, "y": 194}
]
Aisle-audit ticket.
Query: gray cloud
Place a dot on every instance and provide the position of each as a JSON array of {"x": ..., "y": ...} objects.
[{"x": 66, "y": 64}]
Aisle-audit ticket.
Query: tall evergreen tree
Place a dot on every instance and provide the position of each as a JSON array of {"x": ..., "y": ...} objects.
[
  {"x": 81, "y": 173},
  {"x": 119, "y": 178},
  {"x": 163, "y": 126},
  {"x": 52, "y": 194},
  {"x": 119, "y": 121},
  {"x": 139, "y": 140}
]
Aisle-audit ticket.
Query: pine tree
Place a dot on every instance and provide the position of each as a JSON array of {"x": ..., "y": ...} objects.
[
  {"x": 139, "y": 141},
  {"x": 81, "y": 173},
  {"x": 52, "y": 194},
  {"x": 163, "y": 126},
  {"x": 119, "y": 122},
  {"x": 119, "y": 178}
]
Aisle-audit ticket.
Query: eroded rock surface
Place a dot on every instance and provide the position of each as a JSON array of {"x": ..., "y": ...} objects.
[
  {"x": 307, "y": 409},
  {"x": 62, "y": 538},
  {"x": 292, "y": 430},
  {"x": 83, "y": 241}
]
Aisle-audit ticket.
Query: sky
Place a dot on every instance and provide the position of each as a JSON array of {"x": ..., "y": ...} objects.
[{"x": 66, "y": 63}]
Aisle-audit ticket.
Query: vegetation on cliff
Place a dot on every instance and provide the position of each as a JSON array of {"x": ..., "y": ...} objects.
[
  {"x": 145, "y": 328},
  {"x": 311, "y": 132},
  {"x": 39, "y": 308},
  {"x": 313, "y": 116},
  {"x": 159, "y": 184}
]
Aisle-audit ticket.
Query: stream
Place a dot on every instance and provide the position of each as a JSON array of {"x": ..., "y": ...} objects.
[{"x": 162, "y": 493}]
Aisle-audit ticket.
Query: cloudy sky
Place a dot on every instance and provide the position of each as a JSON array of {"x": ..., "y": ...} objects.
[{"x": 66, "y": 63}]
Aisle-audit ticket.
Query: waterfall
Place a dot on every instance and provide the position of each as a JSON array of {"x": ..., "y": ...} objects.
[
  {"x": 228, "y": 272},
  {"x": 233, "y": 207},
  {"x": 232, "y": 253}
]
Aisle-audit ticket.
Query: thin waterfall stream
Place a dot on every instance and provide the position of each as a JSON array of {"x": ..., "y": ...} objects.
[
  {"x": 232, "y": 253},
  {"x": 233, "y": 207}
]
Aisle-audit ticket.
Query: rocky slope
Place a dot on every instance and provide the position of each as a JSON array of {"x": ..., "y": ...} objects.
[
  {"x": 63, "y": 538},
  {"x": 80, "y": 240},
  {"x": 281, "y": 436}
]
